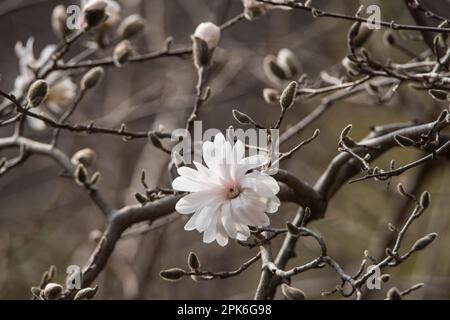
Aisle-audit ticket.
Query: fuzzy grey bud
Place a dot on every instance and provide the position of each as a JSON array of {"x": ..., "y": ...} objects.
[
  {"x": 81, "y": 175},
  {"x": 36, "y": 292},
  {"x": 241, "y": 117},
  {"x": 122, "y": 52},
  {"x": 85, "y": 156},
  {"x": 351, "y": 66},
  {"x": 95, "y": 178},
  {"x": 439, "y": 95},
  {"x": 172, "y": 274},
  {"x": 288, "y": 96},
  {"x": 201, "y": 53},
  {"x": 141, "y": 198},
  {"x": 385, "y": 277},
  {"x": 86, "y": 293},
  {"x": 425, "y": 199},
  {"x": 393, "y": 294},
  {"x": 94, "y": 13},
  {"x": 292, "y": 293},
  {"x": 424, "y": 242},
  {"x": 92, "y": 78},
  {"x": 59, "y": 21},
  {"x": 193, "y": 261},
  {"x": 293, "y": 230},
  {"x": 404, "y": 141},
  {"x": 37, "y": 93},
  {"x": 155, "y": 140},
  {"x": 271, "y": 95},
  {"x": 273, "y": 70},
  {"x": 52, "y": 291},
  {"x": 131, "y": 26},
  {"x": 288, "y": 61}
]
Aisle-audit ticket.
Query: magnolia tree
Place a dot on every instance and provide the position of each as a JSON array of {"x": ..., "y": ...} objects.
[{"x": 229, "y": 185}]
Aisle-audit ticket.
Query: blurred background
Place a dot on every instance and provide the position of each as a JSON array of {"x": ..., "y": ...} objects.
[{"x": 46, "y": 219}]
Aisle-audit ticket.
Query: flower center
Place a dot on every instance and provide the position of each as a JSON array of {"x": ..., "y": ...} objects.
[{"x": 233, "y": 192}]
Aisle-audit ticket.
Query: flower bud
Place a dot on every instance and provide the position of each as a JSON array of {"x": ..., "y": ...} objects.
[
  {"x": 273, "y": 71},
  {"x": 52, "y": 291},
  {"x": 95, "y": 178},
  {"x": 37, "y": 93},
  {"x": 241, "y": 117},
  {"x": 193, "y": 261},
  {"x": 293, "y": 230},
  {"x": 85, "y": 157},
  {"x": 288, "y": 96},
  {"x": 59, "y": 21},
  {"x": 253, "y": 9},
  {"x": 425, "y": 199},
  {"x": 201, "y": 54},
  {"x": 271, "y": 95},
  {"x": 172, "y": 274},
  {"x": 92, "y": 78},
  {"x": 122, "y": 52},
  {"x": 86, "y": 294},
  {"x": 141, "y": 198},
  {"x": 95, "y": 13},
  {"x": 393, "y": 294},
  {"x": 36, "y": 292},
  {"x": 424, "y": 242},
  {"x": 288, "y": 61},
  {"x": 385, "y": 277},
  {"x": 439, "y": 95},
  {"x": 404, "y": 141},
  {"x": 131, "y": 26},
  {"x": 351, "y": 67},
  {"x": 292, "y": 293},
  {"x": 81, "y": 175},
  {"x": 208, "y": 32}
]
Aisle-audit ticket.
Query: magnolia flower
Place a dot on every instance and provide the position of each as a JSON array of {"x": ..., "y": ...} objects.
[
  {"x": 61, "y": 91},
  {"x": 111, "y": 7},
  {"x": 208, "y": 32},
  {"x": 225, "y": 198}
]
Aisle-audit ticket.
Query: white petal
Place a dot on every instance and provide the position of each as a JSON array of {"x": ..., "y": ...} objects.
[
  {"x": 210, "y": 233},
  {"x": 227, "y": 220},
  {"x": 208, "y": 155},
  {"x": 249, "y": 163},
  {"x": 191, "y": 224},
  {"x": 194, "y": 201},
  {"x": 221, "y": 235},
  {"x": 272, "y": 205},
  {"x": 188, "y": 185}
]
